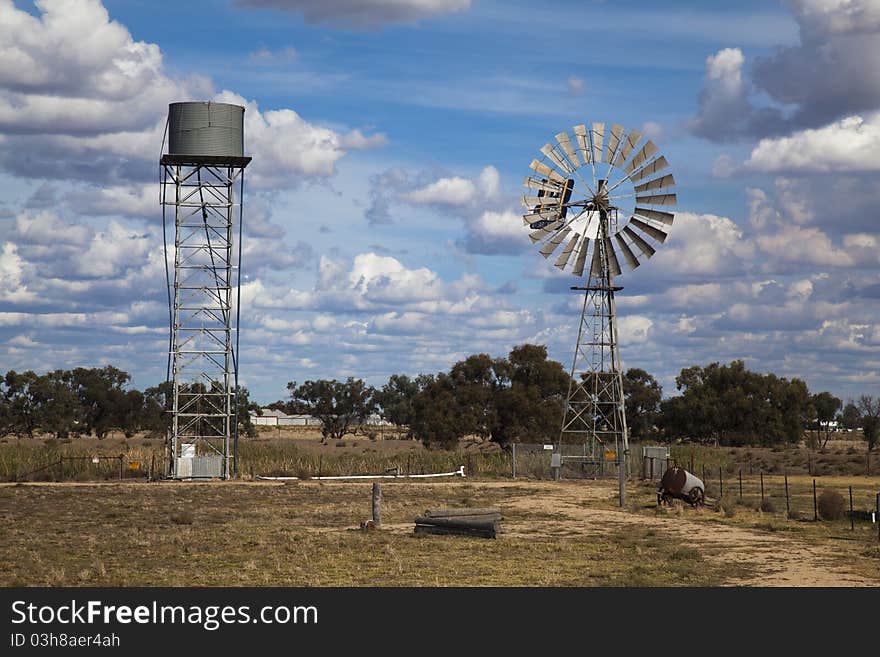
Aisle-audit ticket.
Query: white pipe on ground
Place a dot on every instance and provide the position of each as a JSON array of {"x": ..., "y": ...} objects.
[{"x": 459, "y": 472}]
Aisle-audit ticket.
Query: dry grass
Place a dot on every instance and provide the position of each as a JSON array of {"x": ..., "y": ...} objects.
[{"x": 306, "y": 534}]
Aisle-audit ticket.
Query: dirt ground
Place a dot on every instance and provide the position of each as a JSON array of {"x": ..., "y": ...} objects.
[{"x": 778, "y": 561}]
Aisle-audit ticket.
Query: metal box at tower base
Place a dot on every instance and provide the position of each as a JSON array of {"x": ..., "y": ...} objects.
[
  {"x": 199, "y": 467},
  {"x": 206, "y": 128}
]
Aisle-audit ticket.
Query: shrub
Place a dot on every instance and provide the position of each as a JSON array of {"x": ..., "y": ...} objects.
[
  {"x": 794, "y": 514},
  {"x": 831, "y": 505},
  {"x": 768, "y": 507},
  {"x": 184, "y": 517}
]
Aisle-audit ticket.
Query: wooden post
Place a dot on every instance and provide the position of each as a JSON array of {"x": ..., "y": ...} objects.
[
  {"x": 740, "y": 484},
  {"x": 60, "y": 468},
  {"x": 815, "y": 504},
  {"x": 120, "y": 467},
  {"x": 152, "y": 465},
  {"x": 377, "y": 504},
  {"x": 720, "y": 483},
  {"x": 787, "y": 503},
  {"x": 513, "y": 459},
  {"x": 762, "y": 488},
  {"x": 851, "y": 523}
]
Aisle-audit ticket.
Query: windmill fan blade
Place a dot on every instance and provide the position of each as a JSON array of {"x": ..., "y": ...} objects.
[
  {"x": 549, "y": 215},
  {"x": 547, "y": 150},
  {"x": 644, "y": 153},
  {"x": 656, "y": 215},
  {"x": 544, "y": 170},
  {"x": 646, "y": 248},
  {"x": 613, "y": 265},
  {"x": 596, "y": 263},
  {"x": 543, "y": 201},
  {"x": 541, "y": 233},
  {"x": 544, "y": 185},
  {"x": 660, "y": 199},
  {"x": 613, "y": 142},
  {"x": 550, "y": 246},
  {"x": 629, "y": 143},
  {"x": 665, "y": 181},
  {"x": 627, "y": 253},
  {"x": 649, "y": 169},
  {"x": 563, "y": 140},
  {"x": 598, "y": 141},
  {"x": 648, "y": 229},
  {"x": 562, "y": 260},
  {"x": 580, "y": 136},
  {"x": 580, "y": 261}
]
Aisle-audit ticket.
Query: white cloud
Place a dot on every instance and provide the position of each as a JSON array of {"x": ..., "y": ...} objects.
[
  {"x": 362, "y": 14},
  {"x": 12, "y": 286},
  {"x": 457, "y": 191},
  {"x": 848, "y": 145}
]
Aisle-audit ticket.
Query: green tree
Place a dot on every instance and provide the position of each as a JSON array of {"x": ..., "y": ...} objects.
[
  {"x": 850, "y": 416},
  {"x": 396, "y": 398},
  {"x": 642, "y": 395},
  {"x": 826, "y": 406},
  {"x": 21, "y": 407},
  {"x": 436, "y": 420},
  {"x": 530, "y": 396},
  {"x": 339, "y": 405},
  {"x": 869, "y": 407}
]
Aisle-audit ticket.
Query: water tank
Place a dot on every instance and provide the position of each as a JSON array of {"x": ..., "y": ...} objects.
[{"x": 205, "y": 128}]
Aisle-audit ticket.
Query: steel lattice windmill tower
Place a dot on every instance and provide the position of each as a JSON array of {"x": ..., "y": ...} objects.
[
  {"x": 586, "y": 205},
  {"x": 201, "y": 170}
]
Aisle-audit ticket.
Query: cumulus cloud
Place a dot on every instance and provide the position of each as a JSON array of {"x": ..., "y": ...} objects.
[
  {"x": 361, "y": 14},
  {"x": 86, "y": 101},
  {"x": 493, "y": 233},
  {"x": 845, "y": 146},
  {"x": 725, "y": 111},
  {"x": 456, "y": 191},
  {"x": 837, "y": 37}
]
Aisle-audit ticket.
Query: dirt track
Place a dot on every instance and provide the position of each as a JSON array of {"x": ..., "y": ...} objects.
[{"x": 780, "y": 560}]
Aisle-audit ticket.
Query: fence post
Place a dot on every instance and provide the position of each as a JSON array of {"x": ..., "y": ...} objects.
[
  {"x": 120, "y": 467},
  {"x": 787, "y": 503},
  {"x": 377, "y": 504},
  {"x": 60, "y": 468},
  {"x": 762, "y": 488},
  {"x": 740, "y": 484},
  {"x": 720, "y": 483},
  {"x": 851, "y": 523},
  {"x": 815, "y": 505},
  {"x": 513, "y": 460}
]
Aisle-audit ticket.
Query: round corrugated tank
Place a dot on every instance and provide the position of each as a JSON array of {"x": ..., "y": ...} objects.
[{"x": 205, "y": 128}]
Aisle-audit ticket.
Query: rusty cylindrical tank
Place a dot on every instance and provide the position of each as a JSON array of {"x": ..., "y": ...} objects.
[{"x": 678, "y": 482}]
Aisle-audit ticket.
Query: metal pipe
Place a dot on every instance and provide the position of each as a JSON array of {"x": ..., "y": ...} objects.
[{"x": 459, "y": 472}]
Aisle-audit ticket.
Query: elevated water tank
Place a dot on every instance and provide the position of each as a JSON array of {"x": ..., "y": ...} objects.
[{"x": 206, "y": 128}]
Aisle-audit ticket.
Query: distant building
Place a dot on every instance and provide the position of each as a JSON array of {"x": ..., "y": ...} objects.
[{"x": 273, "y": 418}]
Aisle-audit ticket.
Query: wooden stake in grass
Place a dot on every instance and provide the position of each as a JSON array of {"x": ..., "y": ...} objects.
[
  {"x": 762, "y": 489},
  {"x": 377, "y": 504},
  {"x": 787, "y": 502},
  {"x": 851, "y": 524},
  {"x": 815, "y": 505}
]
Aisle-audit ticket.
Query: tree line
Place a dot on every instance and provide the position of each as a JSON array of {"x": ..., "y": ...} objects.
[
  {"x": 521, "y": 398},
  {"x": 89, "y": 402},
  {"x": 517, "y": 398}
]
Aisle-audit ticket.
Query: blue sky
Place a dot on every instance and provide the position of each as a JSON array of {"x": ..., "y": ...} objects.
[{"x": 390, "y": 140}]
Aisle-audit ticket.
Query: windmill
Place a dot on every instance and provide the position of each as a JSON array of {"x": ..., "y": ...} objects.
[{"x": 593, "y": 199}]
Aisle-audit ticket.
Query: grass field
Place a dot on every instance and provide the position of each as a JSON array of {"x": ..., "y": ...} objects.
[
  {"x": 90, "y": 529},
  {"x": 568, "y": 533}
]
